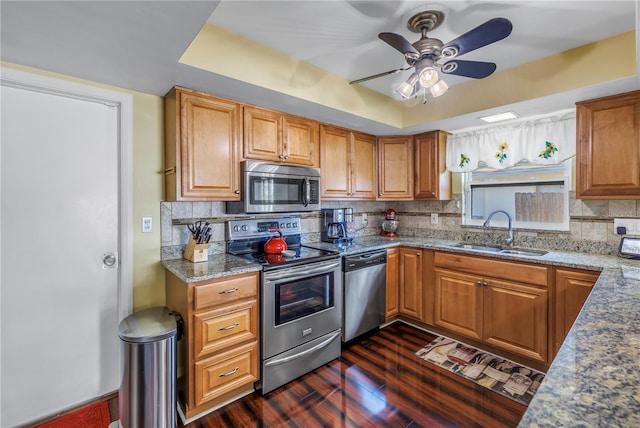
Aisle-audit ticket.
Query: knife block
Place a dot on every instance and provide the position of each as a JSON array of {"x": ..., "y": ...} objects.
[{"x": 196, "y": 252}]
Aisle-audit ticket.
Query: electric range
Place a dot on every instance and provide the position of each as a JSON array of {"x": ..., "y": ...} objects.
[{"x": 246, "y": 239}]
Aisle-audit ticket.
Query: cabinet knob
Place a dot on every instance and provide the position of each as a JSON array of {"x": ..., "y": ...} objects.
[
  {"x": 281, "y": 156},
  {"x": 479, "y": 282}
]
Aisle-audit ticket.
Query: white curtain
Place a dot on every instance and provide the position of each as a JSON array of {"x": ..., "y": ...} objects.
[{"x": 545, "y": 141}]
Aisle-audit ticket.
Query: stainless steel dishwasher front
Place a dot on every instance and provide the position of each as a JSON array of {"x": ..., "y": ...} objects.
[{"x": 365, "y": 283}]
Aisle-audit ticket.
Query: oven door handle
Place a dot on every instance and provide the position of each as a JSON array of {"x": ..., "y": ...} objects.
[
  {"x": 291, "y": 275},
  {"x": 303, "y": 353}
]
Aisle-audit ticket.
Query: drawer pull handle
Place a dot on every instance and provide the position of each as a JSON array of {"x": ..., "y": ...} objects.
[
  {"x": 232, "y": 372},
  {"x": 229, "y": 327},
  {"x": 229, "y": 291}
]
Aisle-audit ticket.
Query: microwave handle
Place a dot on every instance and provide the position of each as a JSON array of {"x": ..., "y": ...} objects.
[{"x": 306, "y": 196}]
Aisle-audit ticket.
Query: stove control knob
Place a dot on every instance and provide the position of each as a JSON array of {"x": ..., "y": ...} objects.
[
  {"x": 236, "y": 228},
  {"x": 282, "y": 225},
  {"x": 295, "y": 225},
  {"x": 289, "y": 225},
  {"x": 244, "y": 228}
]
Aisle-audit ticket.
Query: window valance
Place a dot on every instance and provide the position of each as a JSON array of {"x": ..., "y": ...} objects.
[{"x": 545, "y": 141}]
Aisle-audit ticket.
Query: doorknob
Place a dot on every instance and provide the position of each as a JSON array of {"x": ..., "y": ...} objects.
[{"x": 109, "y": 261}]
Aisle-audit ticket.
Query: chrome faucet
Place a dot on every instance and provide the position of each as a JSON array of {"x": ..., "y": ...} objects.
[{"x": 509, "y": 240}]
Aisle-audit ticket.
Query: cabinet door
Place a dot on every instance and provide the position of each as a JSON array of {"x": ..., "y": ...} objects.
[
  {"x": 432, "y": 179},
  {"x": 209, "y": 144},
  {"x": 300, "y": 141},
  {"x": 202, "y": 142},
  {"x": 335, "y": 149},
  {"x": 572, "y": 289},
  {"x": 458, "y": 302},
  {"x": 363, "y": 166},
  {"x": 392, "y": 283},
  {"x": 262, "y": 134},
  {"x": 395, "y": 168},
  {"x": 515, "y": 318},
  {"x": 410, "y": 283},
  {"x": 608, "y": 147}
]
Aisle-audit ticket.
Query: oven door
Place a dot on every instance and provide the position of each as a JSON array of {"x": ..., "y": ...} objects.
[{"x": 299, "y": 304}]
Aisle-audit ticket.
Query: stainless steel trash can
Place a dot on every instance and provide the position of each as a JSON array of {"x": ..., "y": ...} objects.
[{"x": 148, "y": 368}]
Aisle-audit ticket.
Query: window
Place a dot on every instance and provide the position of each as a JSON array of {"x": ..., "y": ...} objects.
[{"x": 535, "y": 197}]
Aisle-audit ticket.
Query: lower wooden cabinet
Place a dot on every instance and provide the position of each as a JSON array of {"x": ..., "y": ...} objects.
[
  {"x": 392, "y": 284},
  {"x": 218, "y": 356},
  {"x": 500, "y": 303},
  {"x": 225, "y": 372},
  {"x": 572, "y": 289},
  {"x": 410, "y": 302}
]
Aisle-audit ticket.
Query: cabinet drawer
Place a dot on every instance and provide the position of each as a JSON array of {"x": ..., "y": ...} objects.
[
  {"x": 482, "y": 266},
  {"x": 225, "y": 290},
  {"x": 224, "y": 327},
  {"x": 225, "y": 372}
]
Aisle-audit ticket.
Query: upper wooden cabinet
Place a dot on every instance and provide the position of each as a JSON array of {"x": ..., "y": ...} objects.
[
  {"x": 202, "y": 140},
  {"x": 277, "y": 137},
  {"x": 608, "y": 147},
  {"x": 395, "y": 168},
  {"x": 348, "y": 162},
  {"x": 432, "y": 179}
]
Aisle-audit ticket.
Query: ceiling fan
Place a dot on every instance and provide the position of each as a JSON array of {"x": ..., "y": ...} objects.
[{"x": 428, "y": 54}]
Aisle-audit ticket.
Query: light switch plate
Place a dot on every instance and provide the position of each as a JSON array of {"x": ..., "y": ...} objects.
[
  {"x": 147, "y": 224},
  {"x": 434, "y": 218}
]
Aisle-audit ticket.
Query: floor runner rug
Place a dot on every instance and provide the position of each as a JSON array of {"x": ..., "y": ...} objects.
[
  {"x": 92, "y": 416},
  {"x": 496, "y": 373}
]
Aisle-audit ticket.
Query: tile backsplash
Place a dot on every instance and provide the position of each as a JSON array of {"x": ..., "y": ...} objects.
[{"x": 591, "y": 224}]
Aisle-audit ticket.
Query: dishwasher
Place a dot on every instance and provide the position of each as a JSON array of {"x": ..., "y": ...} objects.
[{"x": 364, "y": 284}]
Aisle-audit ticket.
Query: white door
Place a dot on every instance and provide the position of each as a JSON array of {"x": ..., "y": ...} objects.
[{"x": 60, "y": 211}]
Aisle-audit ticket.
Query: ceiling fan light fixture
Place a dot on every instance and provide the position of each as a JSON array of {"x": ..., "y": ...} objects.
[
  {"x": 407, "y": 87},
  {"x": 428, "y": 77},
  {"x": 439, "y": 89}
]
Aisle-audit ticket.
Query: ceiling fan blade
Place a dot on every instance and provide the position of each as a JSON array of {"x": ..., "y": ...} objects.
[
  {"x": 474, "y": 69},
  {"x": 375, "y": 76},
  {"x": 400, "y": 43},
  {"x": 491, "y": 31}
]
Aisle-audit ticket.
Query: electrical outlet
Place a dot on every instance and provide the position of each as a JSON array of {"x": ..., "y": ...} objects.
[
  {"x": 147, "y": 224},
  {"x": 365, "y": 219},
  {"x": 631, "y": 224},
  {"x": 434, "y": 218}
]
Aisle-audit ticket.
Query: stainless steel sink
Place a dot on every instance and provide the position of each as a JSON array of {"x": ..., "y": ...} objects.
[
  {"x": 486, "y": 248},
  {"x": 500, "y": 250},
  {"x": 523, "y": 252}
]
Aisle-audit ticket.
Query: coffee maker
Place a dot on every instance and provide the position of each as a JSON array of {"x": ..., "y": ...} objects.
[{"x": 333, "y": 229}]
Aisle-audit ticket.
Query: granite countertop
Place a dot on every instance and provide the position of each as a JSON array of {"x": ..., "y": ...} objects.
[
  {"x": 593, "y": 381},
  {"x": 217, "y": 266}
]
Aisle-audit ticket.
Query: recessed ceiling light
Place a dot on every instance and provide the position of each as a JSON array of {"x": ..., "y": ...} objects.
[{"x": 500, "y": 117}]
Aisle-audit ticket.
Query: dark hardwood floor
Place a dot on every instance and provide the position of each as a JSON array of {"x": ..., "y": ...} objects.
[{"x": 377, "y": 382}]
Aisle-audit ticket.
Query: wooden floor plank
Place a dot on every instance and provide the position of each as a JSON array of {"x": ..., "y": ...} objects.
[{"x": 377, "y": 382}]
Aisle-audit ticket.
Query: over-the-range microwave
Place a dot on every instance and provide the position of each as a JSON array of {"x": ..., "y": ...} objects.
[{"x": 270, "y": 188}]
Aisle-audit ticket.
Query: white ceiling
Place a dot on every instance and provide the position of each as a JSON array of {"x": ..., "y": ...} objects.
[{"x": 137, "y": 45}]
